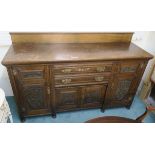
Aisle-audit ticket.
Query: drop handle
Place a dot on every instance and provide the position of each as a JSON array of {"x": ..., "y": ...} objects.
[
  {"x": 99, "y": 79},
  {"x": 100, "y": 69},
  {"x": 83, "y": 69},
  {"x": 66, "y": 81},
  {"x": 67, "y": 70}
]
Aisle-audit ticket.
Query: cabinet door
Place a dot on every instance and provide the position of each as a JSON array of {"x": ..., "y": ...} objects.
[
  {"x": 33, "y": 89},
  {"x": 67, "y": 98},
  {"x": 121, "y": 92},
  {"x": 93, "y": 96},
  {"x": 35, "y": 98},
  {"x": 123, "y": 85}
]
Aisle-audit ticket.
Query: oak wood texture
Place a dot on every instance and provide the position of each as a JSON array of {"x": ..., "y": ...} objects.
[
  {"x": 46, "y": 53},
  {"x": 54, "y": 77},
  {"x": 70, "y": 37}
]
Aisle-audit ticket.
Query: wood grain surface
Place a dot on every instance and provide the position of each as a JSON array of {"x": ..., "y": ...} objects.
[
  {"x": 70, "y": 37},
  {"x": 25, "y": 53}
]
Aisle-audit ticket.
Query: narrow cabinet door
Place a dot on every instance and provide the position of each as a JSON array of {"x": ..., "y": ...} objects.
[
  {"x": 124, "y": 84},
  {"x": 67, "y": 98},
  {"x": 121, "y": 91},
  {"x": 32, "y": 85},
  {"x": 93, "y": 96}
]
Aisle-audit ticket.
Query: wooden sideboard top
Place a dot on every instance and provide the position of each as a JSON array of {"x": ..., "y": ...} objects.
[{"x": 26, "y": 53}]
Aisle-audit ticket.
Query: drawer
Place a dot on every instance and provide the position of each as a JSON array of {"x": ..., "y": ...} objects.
[
  {"x": 29, "y": 72},
  {"x": 82, "y": 68},
  {"x": 85, "y": 79}
]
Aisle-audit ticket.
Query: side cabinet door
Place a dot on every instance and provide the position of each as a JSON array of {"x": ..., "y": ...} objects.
[
  {"x": 35, "y": 98},
  {"x": 93, "y": 96},
  {"x": 67, "y": 98},
  {"x": 124, "y": 84},
  {"x": 31, "y": 83},
  {"x": 121, "y": 92}
]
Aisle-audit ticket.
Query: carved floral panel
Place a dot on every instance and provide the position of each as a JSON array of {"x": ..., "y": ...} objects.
[
  {"x": 92, "y": 96},
  {"x": 122, "y": 89},
  {"x": 33, "y": 96},
  {"x": 67, "y": 97}
]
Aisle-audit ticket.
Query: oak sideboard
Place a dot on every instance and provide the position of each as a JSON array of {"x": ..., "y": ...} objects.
[{"x": 57, "y": 72}]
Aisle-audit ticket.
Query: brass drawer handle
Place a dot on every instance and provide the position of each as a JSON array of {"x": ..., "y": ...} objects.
[
  {"x": 83, "y": 69},
  {"x": 66, "y": 81},
  {"x": 100, "y": 69},
  {"x": 99, "y": 79},
  {"x": 67, "y": 70}
]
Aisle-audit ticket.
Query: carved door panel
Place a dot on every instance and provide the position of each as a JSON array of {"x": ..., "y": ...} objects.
[
  {"x": 67, "y": 98},
  {"x": 35, "y": 98},
  {"x": 93, "y": 96},
  {"x": 120, "y": 91}
]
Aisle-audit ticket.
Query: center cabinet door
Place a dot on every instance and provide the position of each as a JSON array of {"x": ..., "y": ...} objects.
[
  {"x": 72, "y": 98},
  {"x": 67, "y": 98},
  {"x": 93, "y": 96}
]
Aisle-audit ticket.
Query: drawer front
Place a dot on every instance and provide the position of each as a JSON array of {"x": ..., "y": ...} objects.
[
  {"x": 30, "y": 72},
  {"x": 82, "y": 68},
  {"x": 73, "y": 80}
]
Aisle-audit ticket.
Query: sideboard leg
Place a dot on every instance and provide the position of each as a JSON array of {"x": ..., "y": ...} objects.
[
  {"x": 22, "y": 119},
  {"x": 142, "y": 117},
  {"x": 128, "y": 106},
  {"x": 103, "y": 110},
  {"x": 54, "y": 115}
]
